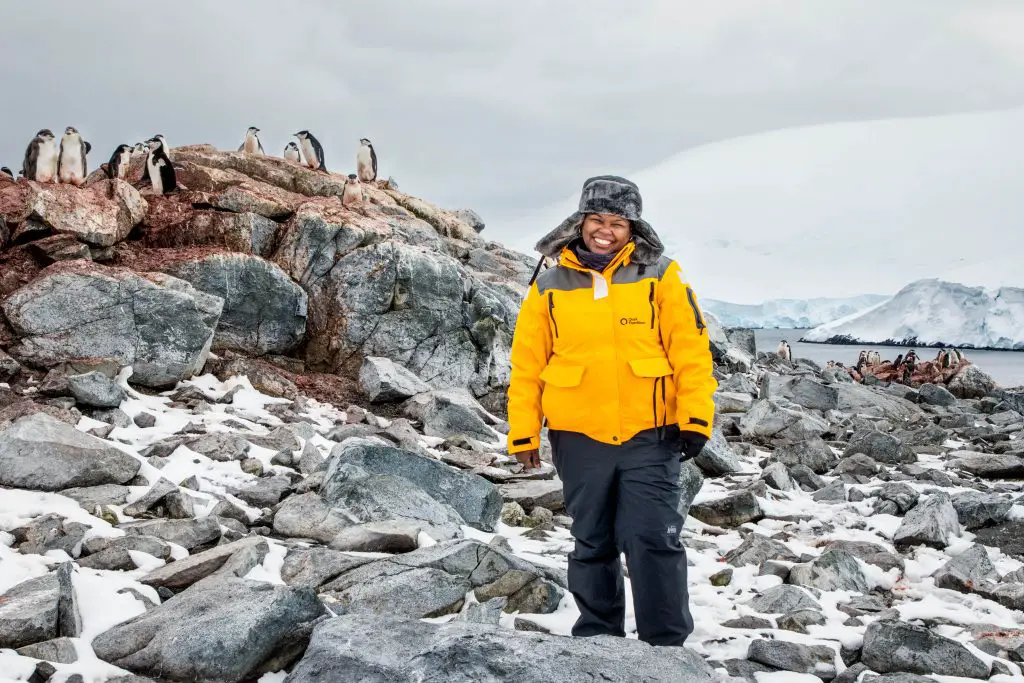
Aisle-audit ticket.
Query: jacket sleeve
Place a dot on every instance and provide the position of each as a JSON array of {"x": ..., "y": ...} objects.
[
  {"x": 531, "y": 348},
  {"x": 685, "y": 337}
]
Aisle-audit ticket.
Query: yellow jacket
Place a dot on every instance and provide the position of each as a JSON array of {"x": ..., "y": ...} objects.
[{"x": 609, "y": 354}]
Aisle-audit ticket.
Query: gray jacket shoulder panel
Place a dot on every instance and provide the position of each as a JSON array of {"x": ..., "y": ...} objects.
[{"x": 563, "y": 279}]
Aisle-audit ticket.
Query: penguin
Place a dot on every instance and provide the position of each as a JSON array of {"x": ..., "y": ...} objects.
[
  {"x": 7, "y": 172},
  {"x": 71, "y": 164},
  {"x": 159, "y": 139},
  {"x": 119, "y": 162},
  {"x": 159, "y": 169},
  {"x": 784, "y": 351},
  {"x": 942, "y": 359},
  {"x": 251, "y": 144},
  {"x": 366, "y": 161},
  {"x": 41, "y": 158},
  {"x": 899, "y": 361},
  {"x": 353, "y": 194},
  {"x": 291, "y": 154},
  {"x": 139, "y": 150},
  {"x": 874, "y": 358},
  {"x": 312, "y": 151}
]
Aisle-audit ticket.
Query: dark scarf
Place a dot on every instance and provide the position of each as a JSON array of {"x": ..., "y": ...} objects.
[{"x": 588, "y": 258}]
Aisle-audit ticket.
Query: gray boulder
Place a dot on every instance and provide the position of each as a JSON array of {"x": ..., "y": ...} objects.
[
  {"x": 935, "y": 395},
  {"x": 316, "y": 566},
  {"x": 41, "y": 453},
  {"x": 378, "y": 537},
  {"x": 783, "y": 600},
  {"x": 801, "y": 390},
  {"x": 881, "y": 447},
  {"x": 733, "y": 510},
  {"x": 264, "y": 311},
  {"x": 531, "y": 493},
  {"x": 718, "y": 458},
  {"x": 932, "y": 522},
  {"x": 433, "y": 581},
  {"x": 470, "y": 218},
  {"x": 160, "y": 325},
  {"x": 967, "y": 570},
  {"x": 833, "y": 492},
  {"x": 389, "y": 649},
  {"x": 265, "y": 492},
  {"x": 777, "y": 477},
  {"x": 871, "y": 553},
  {"x": 757, "y": 549},
  {"x": 813, "y": 453},
  {"x": 834, "y": 570},
  {"x": 358, "y": 496},
  {"x": 976, "y": 510},
  {"x": 450, "y": 412},
  {"x": 900, "y": 495},
  {"x": 183, "y": 573},
  {"x": 220, "y": 629},
  {"x": 59, "y": 651},
  {"x": 988, "y": 465},
  {"x": 383, "y": 380},
  {"x": 769, "y": 421},
  {"x": 732, "y": 401},
  {"x": 190, "y": 534},
  {"x": 96, "y": 389},
  {"x": 472, "y": 496},
  {"x": 895, "y": 646},
  {"x": 29, "y": 612},
  {"x": 971, "y": 382},
  {"x": 690, "y": 482},
  {"x": 818, "y": 660}
]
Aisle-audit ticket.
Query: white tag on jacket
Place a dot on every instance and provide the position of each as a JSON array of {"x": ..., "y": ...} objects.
[{"x": 600, "y": 286}]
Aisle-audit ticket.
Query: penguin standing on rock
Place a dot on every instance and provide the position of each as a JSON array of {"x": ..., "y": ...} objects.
[
  {"x": 291, "y": 154},
  {"x": 366, "y": 161},
  {"x": 251, "y": 144},
  {"x": 160, "y": 170},
  {"x": 7, "y": 172},
  {"x": 784, "y": 351},
  {"x": 353, "y": 194},
  {"x": 71, "y": 166},
  {"x": 119, "y": 162},
  {"x": 312, "y": 151},
  {"x": 159, "y": 140},
  {"x": 41, "y": 158}
]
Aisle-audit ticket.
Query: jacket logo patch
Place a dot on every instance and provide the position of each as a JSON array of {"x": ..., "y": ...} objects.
[{"x": 631, "y": 321}]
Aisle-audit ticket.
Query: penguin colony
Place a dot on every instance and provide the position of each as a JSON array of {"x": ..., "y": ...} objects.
[{"x": 49, "y": 161}]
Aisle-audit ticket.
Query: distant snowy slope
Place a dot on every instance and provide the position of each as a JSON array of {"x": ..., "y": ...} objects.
[
  {"x": 789, "y": 313},
  {"x": 837, "y": 209},
  {"x": 933, "y": 311}
]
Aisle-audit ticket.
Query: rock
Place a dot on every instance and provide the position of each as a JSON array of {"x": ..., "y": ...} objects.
[
  {"x": 900, "y": 494},
  {"x": 935, "y": 395},
  {"x": 799, "y": 621},
  {"x": 265, "y": 492},
  {"x": 90, "y": 497},
  {"x": 41, "y": 453},
  {"x": 534, "y": 493},
  {"x": 780, "y": 654},
  {"x": 721, "y": 578},
  {"x": 470, "y": 218},
  {"x": 806, "y": 478},
  {"x": 512, "y": 514},
  {"x": 433, "y": 581},
  {"x": 96, "y": 389},
  {"x": 101, "y": 215},
  {"x": 690, "y": 482},
  {"x": 813, "y": 453},
  {"x": 748, "y": 622},
  {"x": 173, "y": 641},
  {"x": 971, "y": 382},
  {"x": 383, "y": 380},
  {"x": 472, "y": 496},
  {"x": 183, "y": 573},
  {"x": 1007, "y": 536},
  {"x": 29, "y": 612},
  {"x": 264, "y": 311},
  {"x": 731, "y": 511},
  {"x": 732, "y": 401},
  {"x": 59, "y": 248},
  {"x": 378, "y": 537},
  {"x": 190, "y": 534},
  {"x": 834, "y": 570},
  {"x": 966, "y": 570},
  {"x": 357, "y": 496},
  {"x": 834, "y": 492},
  {"x": 932, "y": 522},
  {"x": 449, "y": 412},
  {"x": 777, "y": 477},
  {"x": 159, "y": 325},
  {"x": 69, "y": 619},
  {"x": 870, "y": 553},
  {"x": 803, "y": 391},
  {"x": 219, "y": 446},
  {"x": 388, "y": 648},
  {"x": 769, "y": 421},
  {"x": 976, "y": 510},
  {"x": 880, "y": 447},
  {"x": 757, "y": 549},
  {"x": 987, "y": 465},
  {"x": 59, "y": 651},
  {"x": 717, "y": 458},
  {"x": 9, "y": 368},
  {"x": 857, "y": 465},
  {"x": 783, "y": 600},
  {"x": 156, "y": 493},
  {"x": 894, "y": 646},
  {"x": 49, "y": 532},
  {"x": 263, "y": 377},
  {"x": 316, "y": 566}
]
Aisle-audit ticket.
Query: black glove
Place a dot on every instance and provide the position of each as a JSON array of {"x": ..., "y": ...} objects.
[{"x": 691, "y": 444}]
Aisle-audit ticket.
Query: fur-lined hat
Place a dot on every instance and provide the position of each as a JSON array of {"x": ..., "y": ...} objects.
[{"x": 612, "y": 195}]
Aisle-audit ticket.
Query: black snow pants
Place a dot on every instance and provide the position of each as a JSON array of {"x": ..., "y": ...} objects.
[{"x": 624, "y": 500}]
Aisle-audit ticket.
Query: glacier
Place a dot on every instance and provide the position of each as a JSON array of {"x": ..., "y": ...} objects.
[
  {"x": 789, "y": 313},
  {"x": 934, "y": 312}
]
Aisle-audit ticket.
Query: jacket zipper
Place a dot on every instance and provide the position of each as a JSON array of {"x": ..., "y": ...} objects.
[
  {"x": 651, "y": 299},
  {"x": 696, "y": 312},
  {"x": 551, "y": 311}
]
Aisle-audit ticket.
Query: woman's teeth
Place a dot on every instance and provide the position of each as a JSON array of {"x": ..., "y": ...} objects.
[{"x": 602, "y": 243}]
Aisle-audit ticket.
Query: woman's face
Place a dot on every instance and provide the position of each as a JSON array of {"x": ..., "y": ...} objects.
[{"x": 604, "y": 233}]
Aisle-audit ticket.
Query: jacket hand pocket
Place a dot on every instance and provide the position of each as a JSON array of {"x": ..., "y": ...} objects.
[
  {"x": 651, "y": 367},
  {"x": 564, "y": 376}
]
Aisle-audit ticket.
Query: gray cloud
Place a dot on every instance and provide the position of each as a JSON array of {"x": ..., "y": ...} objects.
[{"x": 503, "y": 107}]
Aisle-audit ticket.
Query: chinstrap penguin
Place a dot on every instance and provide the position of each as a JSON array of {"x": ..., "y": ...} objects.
[
  {"x": 251, "y": 144},
  {"x": 7, "y": 172},
  {"x": 366, "y": 161},
  {"x": 119, "y": 162},
  {"x": 784, "y": 351},
  {"x": 41, "y": 158},
  {"x": 291, "y": 154},
  {"x": 158, "y": 139},
  {"x": 71, "y": 165},
  {"x": 159, "y": 169},
  {"x": 353, "y": 194},
  {"x": 312, "y": 151}
]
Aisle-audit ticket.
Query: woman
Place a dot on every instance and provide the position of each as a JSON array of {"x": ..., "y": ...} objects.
[{"x": 611, "y": 349}]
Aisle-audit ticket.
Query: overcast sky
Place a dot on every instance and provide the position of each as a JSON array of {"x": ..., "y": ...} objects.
[{"x": 499, "y": 106}]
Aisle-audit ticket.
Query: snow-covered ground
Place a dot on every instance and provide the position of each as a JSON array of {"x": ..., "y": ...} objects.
[
  {"x": 937, "y": 312},
  {"x": 789, "y": 313},
  {"x": 835, "y": 210}
]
